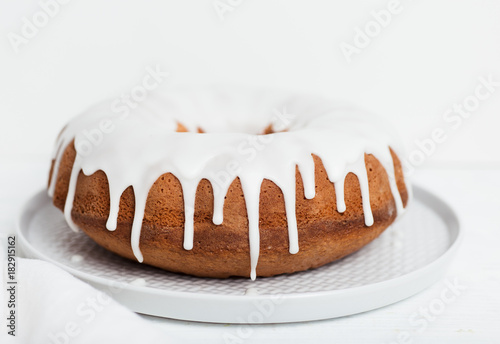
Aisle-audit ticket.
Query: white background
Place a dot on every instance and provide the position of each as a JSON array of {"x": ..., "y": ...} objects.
[{"x": 428, "y": 58}]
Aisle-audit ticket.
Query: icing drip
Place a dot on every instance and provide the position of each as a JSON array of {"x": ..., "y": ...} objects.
[
  {"x": 252, "y": 291},
  {"x": 308, "y": 179},
  {"x": 229, "y": 148},
  {"x": 288, "y": 189},
  {"x": 359, "y": 170},
  {"x": 140, "y": 206},
  {"x": 339, "y": 195},
  {"x": 114, "y": 208},
  {"x": 58, "y": 154},
  {"x": 218, "y": 216},
  {"x": 76, "y": 258},
  {"x": 70, "y": 197},
  {"x": 252, "y": 204},
  {"x": 189, "y": 194},
  {"x": 139, "y": 282}
]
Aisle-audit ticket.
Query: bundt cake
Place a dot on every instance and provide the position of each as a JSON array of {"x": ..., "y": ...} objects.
[{"x": 220, "y": 183}]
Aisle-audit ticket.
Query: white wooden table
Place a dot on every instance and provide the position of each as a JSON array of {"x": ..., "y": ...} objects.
[{"x": 469, "y": 312}]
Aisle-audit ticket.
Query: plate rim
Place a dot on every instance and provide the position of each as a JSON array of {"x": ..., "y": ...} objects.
[{"x": 445, "y": 210}]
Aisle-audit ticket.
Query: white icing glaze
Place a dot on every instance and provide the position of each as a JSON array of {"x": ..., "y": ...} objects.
[
  {"x": 144, "y": 144},
  {"x": 252, "y": 291},
  {"x": 139, "y": 282},
  {"x": 76, "y": 258}
]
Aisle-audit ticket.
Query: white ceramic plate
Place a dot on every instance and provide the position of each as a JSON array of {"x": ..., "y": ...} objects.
[{"x": 408, "y": 257}]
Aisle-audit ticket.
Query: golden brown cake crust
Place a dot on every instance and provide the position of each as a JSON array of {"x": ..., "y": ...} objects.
[{"x": 220, "y": 251}]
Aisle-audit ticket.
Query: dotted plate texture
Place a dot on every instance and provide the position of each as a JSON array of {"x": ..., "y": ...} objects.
[{"x": 417, "y": 239}]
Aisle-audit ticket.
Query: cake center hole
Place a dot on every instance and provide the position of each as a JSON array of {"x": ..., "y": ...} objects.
[{"x": 269, "y": 129}]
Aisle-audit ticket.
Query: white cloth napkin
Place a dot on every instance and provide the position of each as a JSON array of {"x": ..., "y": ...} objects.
[{"x": 55, "y": 307}]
